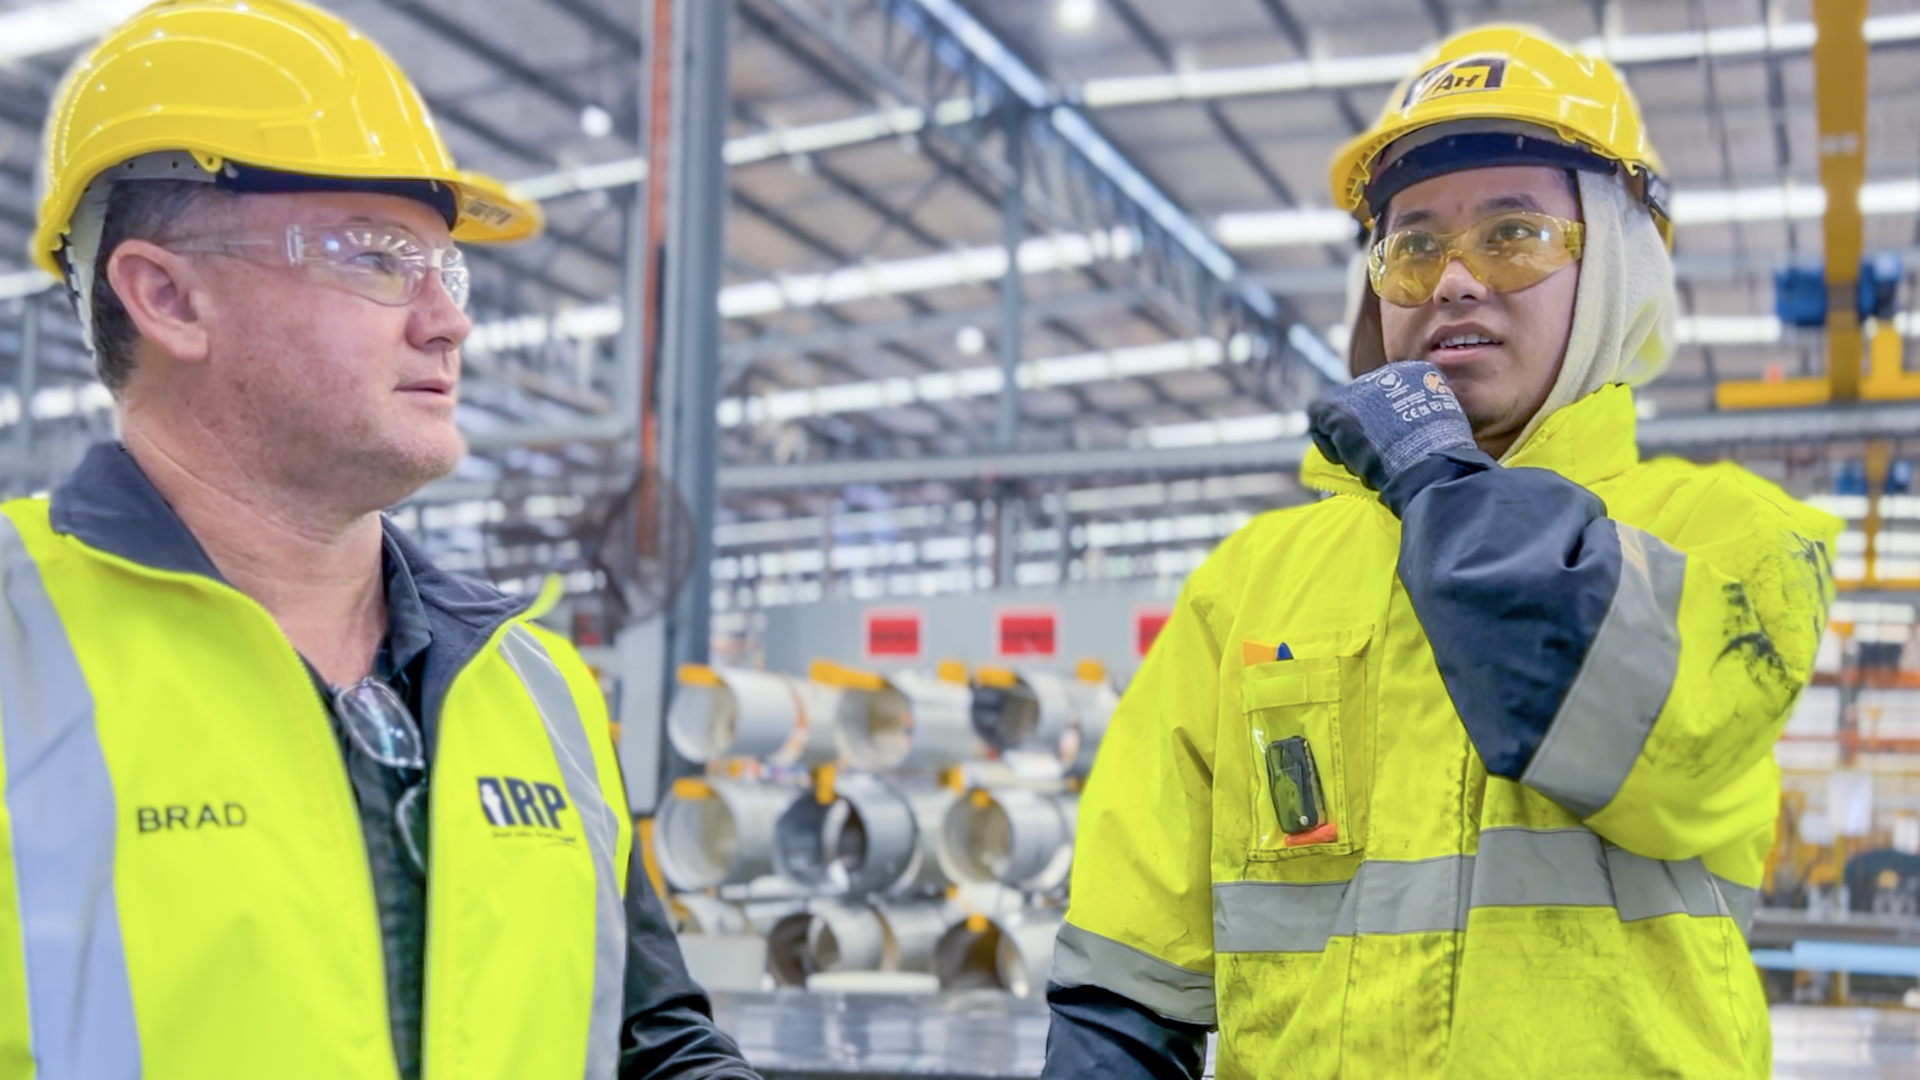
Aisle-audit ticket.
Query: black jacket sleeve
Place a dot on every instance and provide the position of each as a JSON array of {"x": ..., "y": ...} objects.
[
  {"x": 666, "y": 1030},
  {"x": 1097, "y": 1033},
  {"x": 1512, "y": 573}
]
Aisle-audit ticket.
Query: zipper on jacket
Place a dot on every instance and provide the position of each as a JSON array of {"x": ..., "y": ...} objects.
[{"x": 337, "y": 766}]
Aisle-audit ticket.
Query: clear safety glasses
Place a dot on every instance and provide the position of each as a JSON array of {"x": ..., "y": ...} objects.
[
  {"x": 383, "y": 729},
  {"x": 1504, "y": 252},
  {"x": 384, "y": 263}
]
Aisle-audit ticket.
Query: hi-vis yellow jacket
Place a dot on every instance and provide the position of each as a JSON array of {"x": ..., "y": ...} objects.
[
  {"x": 184, "y": 889},
  {"x": 1581, "y": 918}
]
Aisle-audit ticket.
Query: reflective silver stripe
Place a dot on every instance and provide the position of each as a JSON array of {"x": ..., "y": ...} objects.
[
  {"x": 569, "y": 741},
  {"x": 1384, "y": 897},
  {"x": 1646, "y": 888},
  {"x": 1414, "y": 897},
  {"x": 60, "y": 799},
  {"x": 1084, "y": 958},
  {"x": 1740, "y": 902},
  {"x": 1622, "y": 685},
  {"x": 1541, "y": 868},
  {"x": 1516, "y": 867},
  {"x": 1274, "y": 916}
]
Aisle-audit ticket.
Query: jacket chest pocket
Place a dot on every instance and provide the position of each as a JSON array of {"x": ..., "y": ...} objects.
[{"x": 1309, "y": 733}]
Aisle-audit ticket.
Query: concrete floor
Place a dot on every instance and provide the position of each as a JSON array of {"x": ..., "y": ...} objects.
[
  {"x": 793, "y": 1035},
  {"x": 1815, "y": 1043}
]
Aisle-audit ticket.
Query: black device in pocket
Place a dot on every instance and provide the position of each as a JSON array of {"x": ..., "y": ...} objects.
[{"x": 1294, "y": 784}]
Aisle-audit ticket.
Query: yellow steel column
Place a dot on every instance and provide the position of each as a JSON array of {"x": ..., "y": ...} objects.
[
  {"x": 1840, "y": 105},
  {"x": 1878, "y": 456}
]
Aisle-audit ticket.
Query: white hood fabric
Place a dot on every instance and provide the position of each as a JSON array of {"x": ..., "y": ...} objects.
[{"x": 1623, "y": 310}]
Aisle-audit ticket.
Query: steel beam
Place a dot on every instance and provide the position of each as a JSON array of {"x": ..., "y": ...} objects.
[
  {"x": 1006, "y": 429},
  {"x": 27, "y": 375},
  {"x": 1703, "y": 431},
  {"x": 1242, "y": 457},
  {"x": 1129, "y": 183},
  {"x": 690, "y": 322},
  {"x": 1151, "y": 40},
  {"x": 1840, "y": 100},
  {"x": 737, "y": 355},
  {"x": 604, "y": 26},
  {"x": 457, "y": 32}
]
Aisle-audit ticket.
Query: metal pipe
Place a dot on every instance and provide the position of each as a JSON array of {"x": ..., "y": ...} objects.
[
  {"x": 756, "y": 714},
  {"x": 845, "y": 937},
  {"x": 717, "y": 832},
  {"x": 1093, "y": 705},
  {"x": 862, "y": 842},
  {"x": 787, "y": 956},
  {"x": 927, "y": 873},
  {"x": 698, "y": 913},
  {"x": 1024, "y": 954},
  {"x": 1022, "y": 710},
  {"x": 1017, "y": 837},
  {"x": 1011, "y": 952},
  {"x": 913, "y": 721},
  {"x": 912, "y": 932}
]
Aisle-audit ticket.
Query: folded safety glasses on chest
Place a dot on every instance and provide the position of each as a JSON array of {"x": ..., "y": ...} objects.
[
  {"x": 384, "y": 730},
  {"x": 1505, "y": 252},
  {"x": 387, "y": 264}
]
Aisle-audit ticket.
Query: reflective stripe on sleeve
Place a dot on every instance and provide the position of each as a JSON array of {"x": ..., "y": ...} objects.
[
  {"x": 1740, "y": 903},
  {"x": 554, "y": 700},
  {"x": 59, "y": 798},
  {"x": 1084, "y": 958},
  {"x": 1623, "y": 683},
  {"x": 1540, "y": 868},
  {"x": 1649, "y": 888}
]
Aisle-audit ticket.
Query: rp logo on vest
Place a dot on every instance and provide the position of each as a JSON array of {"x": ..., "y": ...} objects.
[{"x": 509, "y": 802}]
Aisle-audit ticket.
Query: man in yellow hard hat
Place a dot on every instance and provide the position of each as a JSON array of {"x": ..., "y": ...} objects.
[
  {"x": 1464, "y": 770},
  {"x": 281, "y": 798}
]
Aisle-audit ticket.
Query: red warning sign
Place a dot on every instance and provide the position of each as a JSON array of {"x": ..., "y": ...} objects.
[
  {"x": 893, "y": 634},
  {"x": 1030, "y": 632},
  {"x": 1147, "y": 622}
]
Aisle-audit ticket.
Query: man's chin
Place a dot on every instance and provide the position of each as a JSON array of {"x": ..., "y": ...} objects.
[{"x": 408, "y": 465}]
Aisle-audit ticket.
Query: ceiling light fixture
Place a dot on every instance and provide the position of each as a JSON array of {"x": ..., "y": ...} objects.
[
  {"x": 596, "y": 122},
  {"x": 1076, "y": 16}
]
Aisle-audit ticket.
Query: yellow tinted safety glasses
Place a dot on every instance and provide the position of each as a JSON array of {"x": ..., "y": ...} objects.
[{"x": 1504, "y": 252}]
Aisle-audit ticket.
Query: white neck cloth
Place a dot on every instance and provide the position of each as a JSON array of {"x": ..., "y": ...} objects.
[{"x": 1623, "y": 309}]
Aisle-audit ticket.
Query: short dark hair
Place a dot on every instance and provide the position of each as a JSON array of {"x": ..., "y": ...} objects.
[{"x": 149, "y": 210}]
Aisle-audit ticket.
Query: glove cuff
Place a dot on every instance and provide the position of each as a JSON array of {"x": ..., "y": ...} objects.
[{"x": 1434, "y": 468}]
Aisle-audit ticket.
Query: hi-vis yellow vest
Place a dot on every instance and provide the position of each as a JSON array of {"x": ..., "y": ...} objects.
[{"x": 184, "y": 889}]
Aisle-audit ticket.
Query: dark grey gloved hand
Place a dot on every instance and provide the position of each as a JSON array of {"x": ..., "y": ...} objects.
[{"x": 1390, "y": 420}]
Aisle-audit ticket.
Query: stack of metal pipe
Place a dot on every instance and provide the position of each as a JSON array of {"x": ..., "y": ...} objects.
[{"x": 915, "y": 825}]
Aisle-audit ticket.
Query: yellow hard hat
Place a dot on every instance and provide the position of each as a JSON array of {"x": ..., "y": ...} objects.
[
  {"x": 1507, "y": 79},
  {"x": 267, "y": 85}
]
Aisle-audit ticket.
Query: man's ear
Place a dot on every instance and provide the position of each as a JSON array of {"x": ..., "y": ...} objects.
[{"x": 161, "y": 292}]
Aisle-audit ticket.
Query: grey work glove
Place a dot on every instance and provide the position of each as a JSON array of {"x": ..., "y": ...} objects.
[{"x": 1387, "y": 425}]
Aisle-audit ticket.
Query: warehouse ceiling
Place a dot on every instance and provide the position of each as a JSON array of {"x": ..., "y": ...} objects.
[{"x": 867, "y": 169}]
